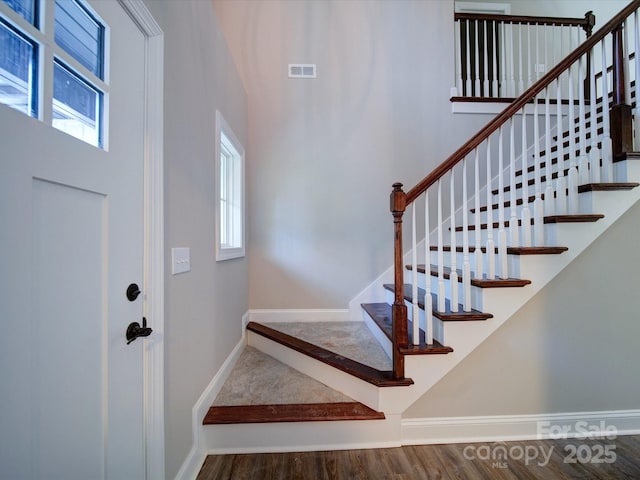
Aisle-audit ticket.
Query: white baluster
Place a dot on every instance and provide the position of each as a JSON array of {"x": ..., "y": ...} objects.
[
  {"x": 428, "y": 300},
  {"x": 520, "y": 71},
  {"x": 468, "y": 84},
  {"x": 478, "y": 238},
  {"x": 636, "y": 61},
  {"x": 537, "y": 69},
  {"x": 625, "y": 63},
  {"x": 513, "y": 210},
  {"x": 583, "y": 159},
  {"x": 572, "y": 177},
  {"x": 502, "y": 233},
  {"x": 441, "y": 297},
  {"x": 414, "y": 277},
  {"x": 495, "y": 86},
  {"x": 561, "y": 182},
  {"x": 538, "y": 203},
  {"x": 529, "y": 58},
  {"x": 485, "y": 84},
  {"x": 512, "y": 77},
  {"x": 453, "y": 274},
  {"x": 491, "y": 248},
  {"x": 549, "y": 202},
  {"x": 594, "y": 153},
  {"x": 477, "y": 55},
  {"x": 546, "y": 48},
  {"x": 525, "y": 213},
  {"x": 466, "y": 266},
  {"x": 607, "y": 145},
  {"x": 458, "y": 80},
  {"x": 503, "y": 84}
]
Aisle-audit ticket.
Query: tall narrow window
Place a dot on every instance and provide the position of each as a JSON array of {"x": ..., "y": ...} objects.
[{"x": 230, "y": 197}]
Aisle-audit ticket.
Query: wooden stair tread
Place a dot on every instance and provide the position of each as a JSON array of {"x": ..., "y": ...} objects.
[
  {"x": 364, "y": 372},
  {"x": 626, "y": 156},
  {"x": 510, "y": 250},
  {"x": 607, "y": 187},
  {"x": 577, "y": 218},
  {"x": 483, "y": 282},
  {"x": 297, "y": 412},
  {"x": 380, "y": 313},
  {"x": 447, "y": 315}
]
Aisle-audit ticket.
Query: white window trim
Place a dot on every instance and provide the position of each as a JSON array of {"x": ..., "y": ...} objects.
[{"x": 227, "y": 253}]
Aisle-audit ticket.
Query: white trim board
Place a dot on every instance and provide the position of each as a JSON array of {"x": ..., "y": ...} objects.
[
  {"x": 291, "y": 315},
  {"x": 423, "y": 431},
  {"x": 153, "y": 235}
]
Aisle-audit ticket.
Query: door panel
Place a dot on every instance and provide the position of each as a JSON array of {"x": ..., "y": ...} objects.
[{"x": 69, "y": 329}]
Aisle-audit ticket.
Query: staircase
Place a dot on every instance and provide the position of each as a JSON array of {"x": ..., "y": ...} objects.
[{"x": 489, "y": 228}]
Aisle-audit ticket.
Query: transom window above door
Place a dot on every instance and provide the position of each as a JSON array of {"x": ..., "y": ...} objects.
[{"x": 53, "y": 65}]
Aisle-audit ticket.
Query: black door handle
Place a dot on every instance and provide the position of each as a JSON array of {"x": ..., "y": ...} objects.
[{"x": 134, "y": 330}]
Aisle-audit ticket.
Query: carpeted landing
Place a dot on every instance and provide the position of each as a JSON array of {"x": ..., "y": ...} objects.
[{"x": 262, "y": 389}]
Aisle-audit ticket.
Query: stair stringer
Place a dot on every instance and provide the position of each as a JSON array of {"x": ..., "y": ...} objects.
[{"x": 464, "y": 337}]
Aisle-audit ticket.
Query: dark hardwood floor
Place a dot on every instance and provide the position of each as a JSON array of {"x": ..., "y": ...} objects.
[{"x": 540, "y": 459}]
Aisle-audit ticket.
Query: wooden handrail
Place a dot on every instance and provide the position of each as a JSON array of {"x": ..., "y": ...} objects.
[
  {"x": 586, "y": 23},
  {"x": 527, "y": 97}
]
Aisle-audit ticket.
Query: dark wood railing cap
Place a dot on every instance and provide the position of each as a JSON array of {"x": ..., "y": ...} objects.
[{"x": 527, "y": 19}]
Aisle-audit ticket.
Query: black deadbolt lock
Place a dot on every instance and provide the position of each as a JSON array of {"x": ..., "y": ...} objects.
[{"x": 132, "y": 292}]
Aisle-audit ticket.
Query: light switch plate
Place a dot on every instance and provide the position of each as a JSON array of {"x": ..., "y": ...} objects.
[{"x": 180, "y": 260}]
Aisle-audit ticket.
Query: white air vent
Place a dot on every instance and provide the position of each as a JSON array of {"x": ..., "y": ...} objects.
[{"x": 300, "y": 70}]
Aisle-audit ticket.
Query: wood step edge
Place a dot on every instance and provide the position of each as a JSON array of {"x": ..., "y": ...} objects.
[
  {"x": 359, "y": 370},
  {"x": 477, "y": 282},
  {"x": 626, "y": 156},
  {"x": 607, "y": 187},
  {"x": 536, "y": 250},
  {"x": 380, "y": 313},
  {"x": 290, "y": 412},
  {"x": 576, "y": 218},
  {"x": 447, "y": 315}
]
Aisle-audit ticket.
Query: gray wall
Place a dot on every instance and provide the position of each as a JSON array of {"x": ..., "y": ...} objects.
[
  {"x": 572, "y": 348},
  {"x": 325, "y": 152},
  {"x": 204, "y": 307}
]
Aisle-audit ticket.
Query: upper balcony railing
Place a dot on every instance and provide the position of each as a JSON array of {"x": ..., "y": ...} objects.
[{"x": 500, "y": 56}]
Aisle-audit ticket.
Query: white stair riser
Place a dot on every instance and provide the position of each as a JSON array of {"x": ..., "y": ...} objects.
[
  {"x": 548, "y": 229},
  {"x": 512, "y": 259},
  {"x": 476, "y": 292},
  {"x": 298, "y": 436}
]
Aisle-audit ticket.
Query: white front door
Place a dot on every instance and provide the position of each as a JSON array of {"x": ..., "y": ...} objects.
[{"x": 71, "y": 234}]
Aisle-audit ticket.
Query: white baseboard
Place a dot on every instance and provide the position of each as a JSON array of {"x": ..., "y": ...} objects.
[
  {"x": 290, "y": 315},
  {"x": 422, "y": 431},
  {"x": 193, "y": 463}
]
